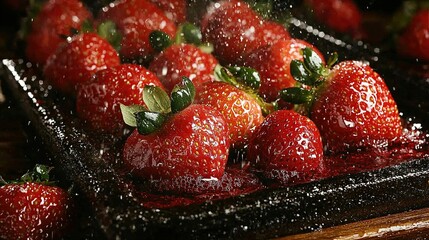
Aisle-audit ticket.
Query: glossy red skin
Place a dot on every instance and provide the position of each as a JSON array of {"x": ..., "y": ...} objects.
[
  {"x": 183, "y": 60},
  {"x": 98, "y": 101},
  {"x": 56, "y": 18},
  {"x": 340, "y": 15},
  {"x": 241, "y": 112},
  {"x": 175, "y": 10},
  {"x": 128, "y": 15},
  {"x": 75, "y": 62},
  {"x": 273, "y": 64},
  {"x": 355, "y": 109},
  {"x": 231, "y": 26},
  {"x": 34, "y": 211},
  {"x": 286, "y": 147},
  {"x": 272, "y": 32},
  {"x": 414, "y": 41},
  {"x": 193, "y": 142}
]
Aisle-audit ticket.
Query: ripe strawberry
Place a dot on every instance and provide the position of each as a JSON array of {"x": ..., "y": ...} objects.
[
  {"x": 183, "y": 60},
  {"x": 240, "y": 110},
  {"x": 176, "y": 138},
  {"x": 175, "y": 10},
  {"x": 76, "y": 61},
  {"x": 350, "y": 103},
  {"x": 340, "y": 15},
  {"x": 56, "y": 18},
  {"x": 97, "y": 100},
  {"x": 232, "y": 27},
  {"x": 413, "y": 42},
  {"x": 287, "y": 147},
  {"x": 34, "y": 210},
  {"x": 128, "y": 15},
  {"x": 273, "y": 64},
  {"x": 272, "y": 32}
]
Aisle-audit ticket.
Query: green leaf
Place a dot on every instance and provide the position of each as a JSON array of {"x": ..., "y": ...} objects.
[
  {"x": 40, "y": 173},
  {"x": 206, "y": 47},
  {"x": 296, "y": 95},
  {"x": 149, "y": 122},
  {"x": 246, "y": 76},
  {"x": 109, "y": 31},
  {"x": 156, "y": 99},
  {"x": 128, "y": 113},
  {"x": 191, "y": 34},
  {"x": 299, "y": 72},
  {"x": 312, "y": 61},
  {"x": 182, "y": 95},
  {"x": 333, "y": 58},
  {"x": 159, "y": 40}
]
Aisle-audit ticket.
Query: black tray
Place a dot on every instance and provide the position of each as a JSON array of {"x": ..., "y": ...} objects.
[{"x": 268, "y": 213}]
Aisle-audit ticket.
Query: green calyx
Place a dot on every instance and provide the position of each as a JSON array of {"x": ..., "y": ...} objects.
[
  {"x": 246, "y": 79},
  {"x": 402, "y": 17},
  {"x": 109, "y": 31},
  {"x": 159, "y": 106},
  {"x": 39, "y": 174},
  {"x": 186, "y": 33},
  {"x": 310, "y": 74}
]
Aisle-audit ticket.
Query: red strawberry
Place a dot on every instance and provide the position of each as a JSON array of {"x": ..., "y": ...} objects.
[
  {"x": 340, "y": 15},
  {"x": 33, "y": 210},
  {"x": 241, "y": 111},
  {"x": 232, "y": 27},
  {"x": 98, "y": 100},
  {"x": 414, "y": 40},
  {"x": 56, "y": 18},
  {"x": 75, "y": 62},
  {"x": 136, "y": 19},
  {"x": 287, "y": 147},
  {"x": 351, "y": 105},
  {"x": 183, "y": 60},
  {"x": 177, "y": 138},
  {"x": 175, "y": 10},
  {"x": 272, "y": 32},
  {"x": 273, "y": 64}
]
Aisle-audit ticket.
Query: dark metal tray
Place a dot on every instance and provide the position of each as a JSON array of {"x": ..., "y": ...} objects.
[{"x": 267, "y": 213}]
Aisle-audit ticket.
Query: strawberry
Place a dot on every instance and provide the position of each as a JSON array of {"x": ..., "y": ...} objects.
[
  {"x": 413, "y": 42},
  {"x": 183, "y": 60},
  {"x": 175, "y": 10},
  {"x": 273, "y": 64},
  {"x": 350, "y": 103},
  {"x": 56, "y": 18},
  {"x": 128, "y": 15},
  {"x": 287, "y": 148},
  {"x": 241, "y": 111},
  {"x": 231, "y": 26},
  {"x": 32, "y": 209},
  {"x": 75, "y": 62},
  {"x": 97, "y": 100},
  {"x": 175, "y": 138},
  {"x": 340, "y": 15},
  {"x": 272, "y": 32}
]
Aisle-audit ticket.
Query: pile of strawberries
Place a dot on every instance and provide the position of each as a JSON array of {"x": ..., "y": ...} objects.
[{"x": 196, "y": 93}]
